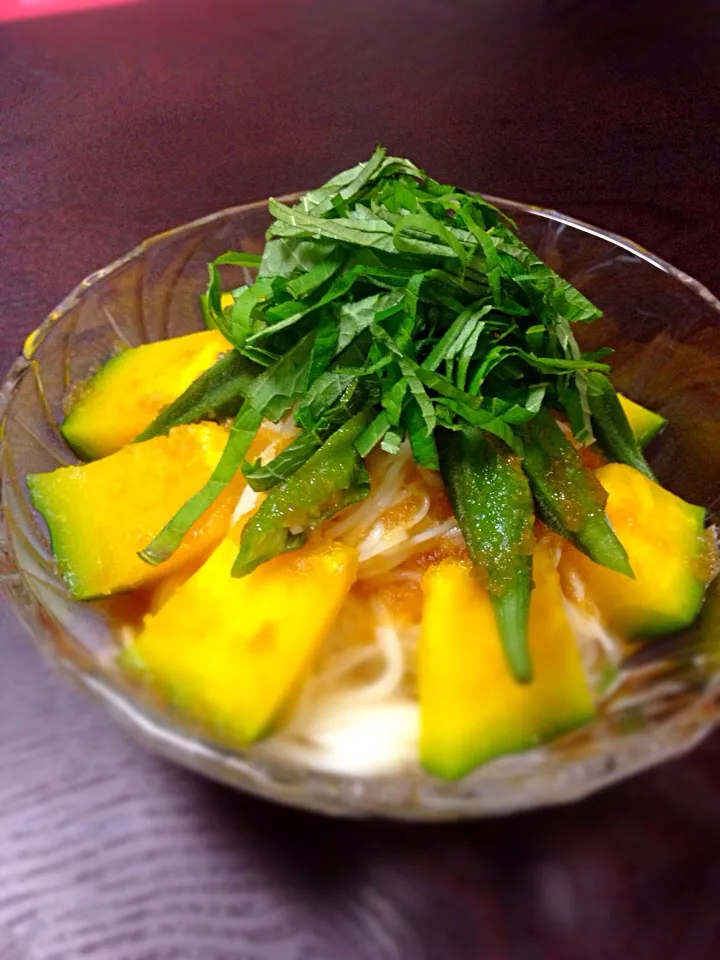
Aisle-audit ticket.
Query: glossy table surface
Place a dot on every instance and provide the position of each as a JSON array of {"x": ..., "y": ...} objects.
[{"x": 122, "y": 122}]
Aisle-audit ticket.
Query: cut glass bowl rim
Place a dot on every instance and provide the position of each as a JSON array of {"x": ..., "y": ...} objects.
[{"x": 339, "y": 794}]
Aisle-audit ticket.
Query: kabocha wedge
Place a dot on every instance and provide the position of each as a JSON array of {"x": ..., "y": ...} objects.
[
  {"x": 667, "y": 549},
  {"x": 644, "y": 423},
  {"x": 471, "y": 708},
  {"x": 612, "y": 427},
  {"x": 100, "y": 514},
  {"x": 126, "y": 395},
  {"x": 232, "y": 651}
]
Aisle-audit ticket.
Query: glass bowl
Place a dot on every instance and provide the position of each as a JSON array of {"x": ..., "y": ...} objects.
[{"x": 664, "y": 328}]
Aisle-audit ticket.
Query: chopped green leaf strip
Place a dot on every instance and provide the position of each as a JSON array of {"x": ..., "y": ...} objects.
[
  {"x": 308, "y": 282},
  {"x": 211, "y": 304},
  {"x": 240, "y": 313},
  {"x": 238, "y": 258},
  {"x": 292, "y": 222},
  {"x": 493, "y": 268},
  {"x": 324, "y": 393},
  {"x": 288, "y": 314},
  {"x": 393, "y": 396},
  {"x": 278, "y": 387},
  {"x": 320, "y": 202},
  {"x": 450, "y": 344},
  {"x": 289, "y": 258},
  {"x": 411, "y": 235},
  {"x": 417, "y": 389},
  {"x": 422, "y": 443},
  {"x": 263, "y": 477},
  {"x": 355, "y": 317},
  {"x": 324, "y": 348},
  {"x": 390, "y": 443},
  {"x": 535, "y": 397},
  {"x": 373, "y": 434}
]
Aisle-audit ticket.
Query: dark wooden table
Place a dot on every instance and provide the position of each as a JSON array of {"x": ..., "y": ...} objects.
[{"x": 120, "y": 123}]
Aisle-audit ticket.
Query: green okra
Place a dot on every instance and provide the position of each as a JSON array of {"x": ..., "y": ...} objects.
[
  {"x": 493, "y": 505},
  {"x": 264, "y": 476},
  {"x": 569, "y": 498},
  {"x": 333, "y": 478},
  {"x": 611, "y": 425},
  {"x": 216, "y": 394}
]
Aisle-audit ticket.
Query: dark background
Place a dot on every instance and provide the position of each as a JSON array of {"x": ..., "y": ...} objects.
[{"x": 120, "y": 123}]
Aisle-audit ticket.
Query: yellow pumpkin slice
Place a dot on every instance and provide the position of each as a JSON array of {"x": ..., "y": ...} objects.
[
  {"x": 471, "y": 708},
  {"x": 664, "y": 539},
  {"x": 101, "y": 514},
  {"x": 644, "y": 423},
  {"x": 232, "y": 651},
  {"x": 126, "y": 395}
]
